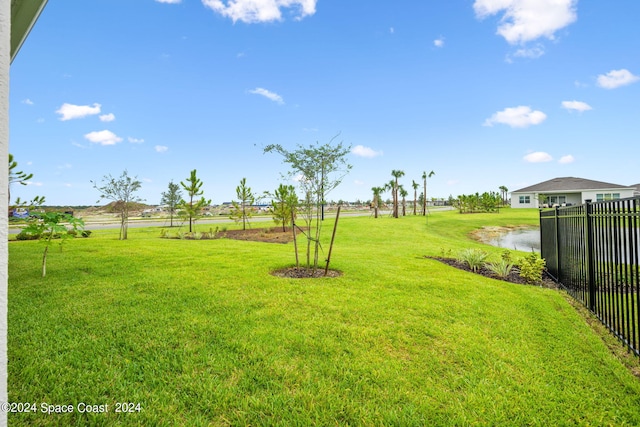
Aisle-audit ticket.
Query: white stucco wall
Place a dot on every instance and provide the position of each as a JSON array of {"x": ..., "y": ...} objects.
[{"x": 5, "y": 61}]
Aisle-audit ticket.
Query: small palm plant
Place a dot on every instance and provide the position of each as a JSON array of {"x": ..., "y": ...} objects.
[{"x": 473, "y": 258}]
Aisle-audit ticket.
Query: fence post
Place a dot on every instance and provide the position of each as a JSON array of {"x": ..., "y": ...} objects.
[
  {"x": 590, "y": 254},
  {"x": 556, "y": 220}
]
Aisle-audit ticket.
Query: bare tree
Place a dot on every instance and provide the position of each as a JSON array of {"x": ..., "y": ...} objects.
[{"x": 121, "y": 191}]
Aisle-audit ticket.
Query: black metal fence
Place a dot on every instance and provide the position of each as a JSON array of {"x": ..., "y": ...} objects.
[{"x": 592, "y": 251}]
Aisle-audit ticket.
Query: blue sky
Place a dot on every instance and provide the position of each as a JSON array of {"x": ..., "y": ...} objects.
[{"x": 485, "y": 93}]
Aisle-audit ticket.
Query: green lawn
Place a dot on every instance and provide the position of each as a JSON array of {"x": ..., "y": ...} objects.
[{"x": 199, "y": 333}]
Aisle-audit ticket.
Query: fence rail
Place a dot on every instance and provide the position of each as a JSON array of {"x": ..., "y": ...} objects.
[{"x": 592, "y": 251}]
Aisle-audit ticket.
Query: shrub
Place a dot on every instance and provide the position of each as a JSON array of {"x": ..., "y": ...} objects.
[
  {"x": 27, "y": 236},
  {"x": 473, "y": 258},
  {"x": 500, "y": 268},
  {"x": 531, "y": 268},
  {"x": 86, "y": 233}
]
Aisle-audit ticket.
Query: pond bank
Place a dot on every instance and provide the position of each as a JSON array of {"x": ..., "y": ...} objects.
[{"x": 521, "y": 238}]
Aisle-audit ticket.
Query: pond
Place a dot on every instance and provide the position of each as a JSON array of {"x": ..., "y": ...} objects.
[{"x": 524, "y": 239}]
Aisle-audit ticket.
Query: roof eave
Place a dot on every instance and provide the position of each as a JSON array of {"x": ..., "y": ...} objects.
[{"x": 24, "y": 14}]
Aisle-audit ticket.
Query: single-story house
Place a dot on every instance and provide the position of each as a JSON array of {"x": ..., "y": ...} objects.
[{"x": 568, "y": 191}]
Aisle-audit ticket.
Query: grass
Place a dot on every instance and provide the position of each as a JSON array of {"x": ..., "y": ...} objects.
[{"x": 199, "y": 333}]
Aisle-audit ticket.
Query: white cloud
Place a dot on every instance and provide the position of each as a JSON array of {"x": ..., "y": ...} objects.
[
  {"x": 526, "y": 20},
  {"x": 160, "y": 148},
  {"x": 566, "y": 159},
  {"x": 34, "y": 183},
  {"x": 252, "y": 11},
  {"x": 169, "y": 1},
  {"x": 531, "y": 53},
  {"x": 392, "y": 30},
  {"x": 439, "y": 42},
  {"x": 538, "y": 157},
  {"x": 362, "y": 151},
  {"x": 70, "y": 111},
  {"x": 27, "y": 101},
  {"x": 517, "y": 117},
  {"x": 135, "y": 140},
  {"x": 358, "y": 182},
  {"x": 267, "y": 94},
  {"x": 107, "y": 117},
  {"x": 616, "y": 78},
  {"x": 576, "y": 105},
  {"x": 103, "y": 137}
]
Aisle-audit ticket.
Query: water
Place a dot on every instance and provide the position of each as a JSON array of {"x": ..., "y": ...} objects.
[{"x": 522, "y": 240}]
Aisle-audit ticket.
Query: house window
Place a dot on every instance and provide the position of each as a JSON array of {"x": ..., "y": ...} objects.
[
  {"x": 557, "y": 200},
  {"x": 607, "y": 196},
  {"x": 525, "y": 200}
]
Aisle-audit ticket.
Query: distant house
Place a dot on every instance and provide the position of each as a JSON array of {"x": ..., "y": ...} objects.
[{"x": 568, "y": 191}]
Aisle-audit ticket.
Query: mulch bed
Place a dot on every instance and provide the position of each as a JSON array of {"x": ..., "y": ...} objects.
[
  {"x": 305, "y": 273},
  {"x": 513, "y": 277},
  {"x": 267, "y": 235}
]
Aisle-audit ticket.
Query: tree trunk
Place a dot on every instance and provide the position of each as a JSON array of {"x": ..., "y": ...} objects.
[
  {"x": 333, "y": 236},
  {"x": 44, "y": 259},
  {"x": 295, "y": 241}
]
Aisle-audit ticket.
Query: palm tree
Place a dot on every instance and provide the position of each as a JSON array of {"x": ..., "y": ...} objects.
[
  {"x": 396, "y": 174},
  {"x": 376, "y": 199},
  {"x": 404, "y": 193},
  {"x": 504, "y": 190},
  {"x": 415, "y": 186},
  {"x": 424, "y": 200}
]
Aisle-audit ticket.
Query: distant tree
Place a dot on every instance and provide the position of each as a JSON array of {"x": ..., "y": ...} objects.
[
  {"x": 241, "y": 210},
  {"x": 284, "y": 204},
  {"x": 172, "y": 198},
  {"x": 396, "y": 175},
  {"x": 193, "y": 206},
  {"x": 377, "y": 191},
  {"x": 121, "y": 191},
  {"x": 415, "y": 186},
  {"x": 320, "y": 169},
  {"x": 503, "y": 193},
  {"x": 403, "y": 193},
  {"x": 424, "y": 200}
]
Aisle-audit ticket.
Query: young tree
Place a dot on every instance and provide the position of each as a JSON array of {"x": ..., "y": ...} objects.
[
  {"x": 121, "y": 191},
  {"x": 51, "y": 225},
  {"x": 242, "y": 209},
  {"x": 193, "y": 187},
  {"x": 284, "y": 205},
  {"x": 396, "y": 174},
  {"x": 424, "y": 200},
  {"x": 320, "y": 169},
  {"x": 172, "y": 198}
]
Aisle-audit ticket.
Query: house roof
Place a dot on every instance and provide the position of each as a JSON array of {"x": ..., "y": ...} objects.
[{"x": 569, "y": 184}]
